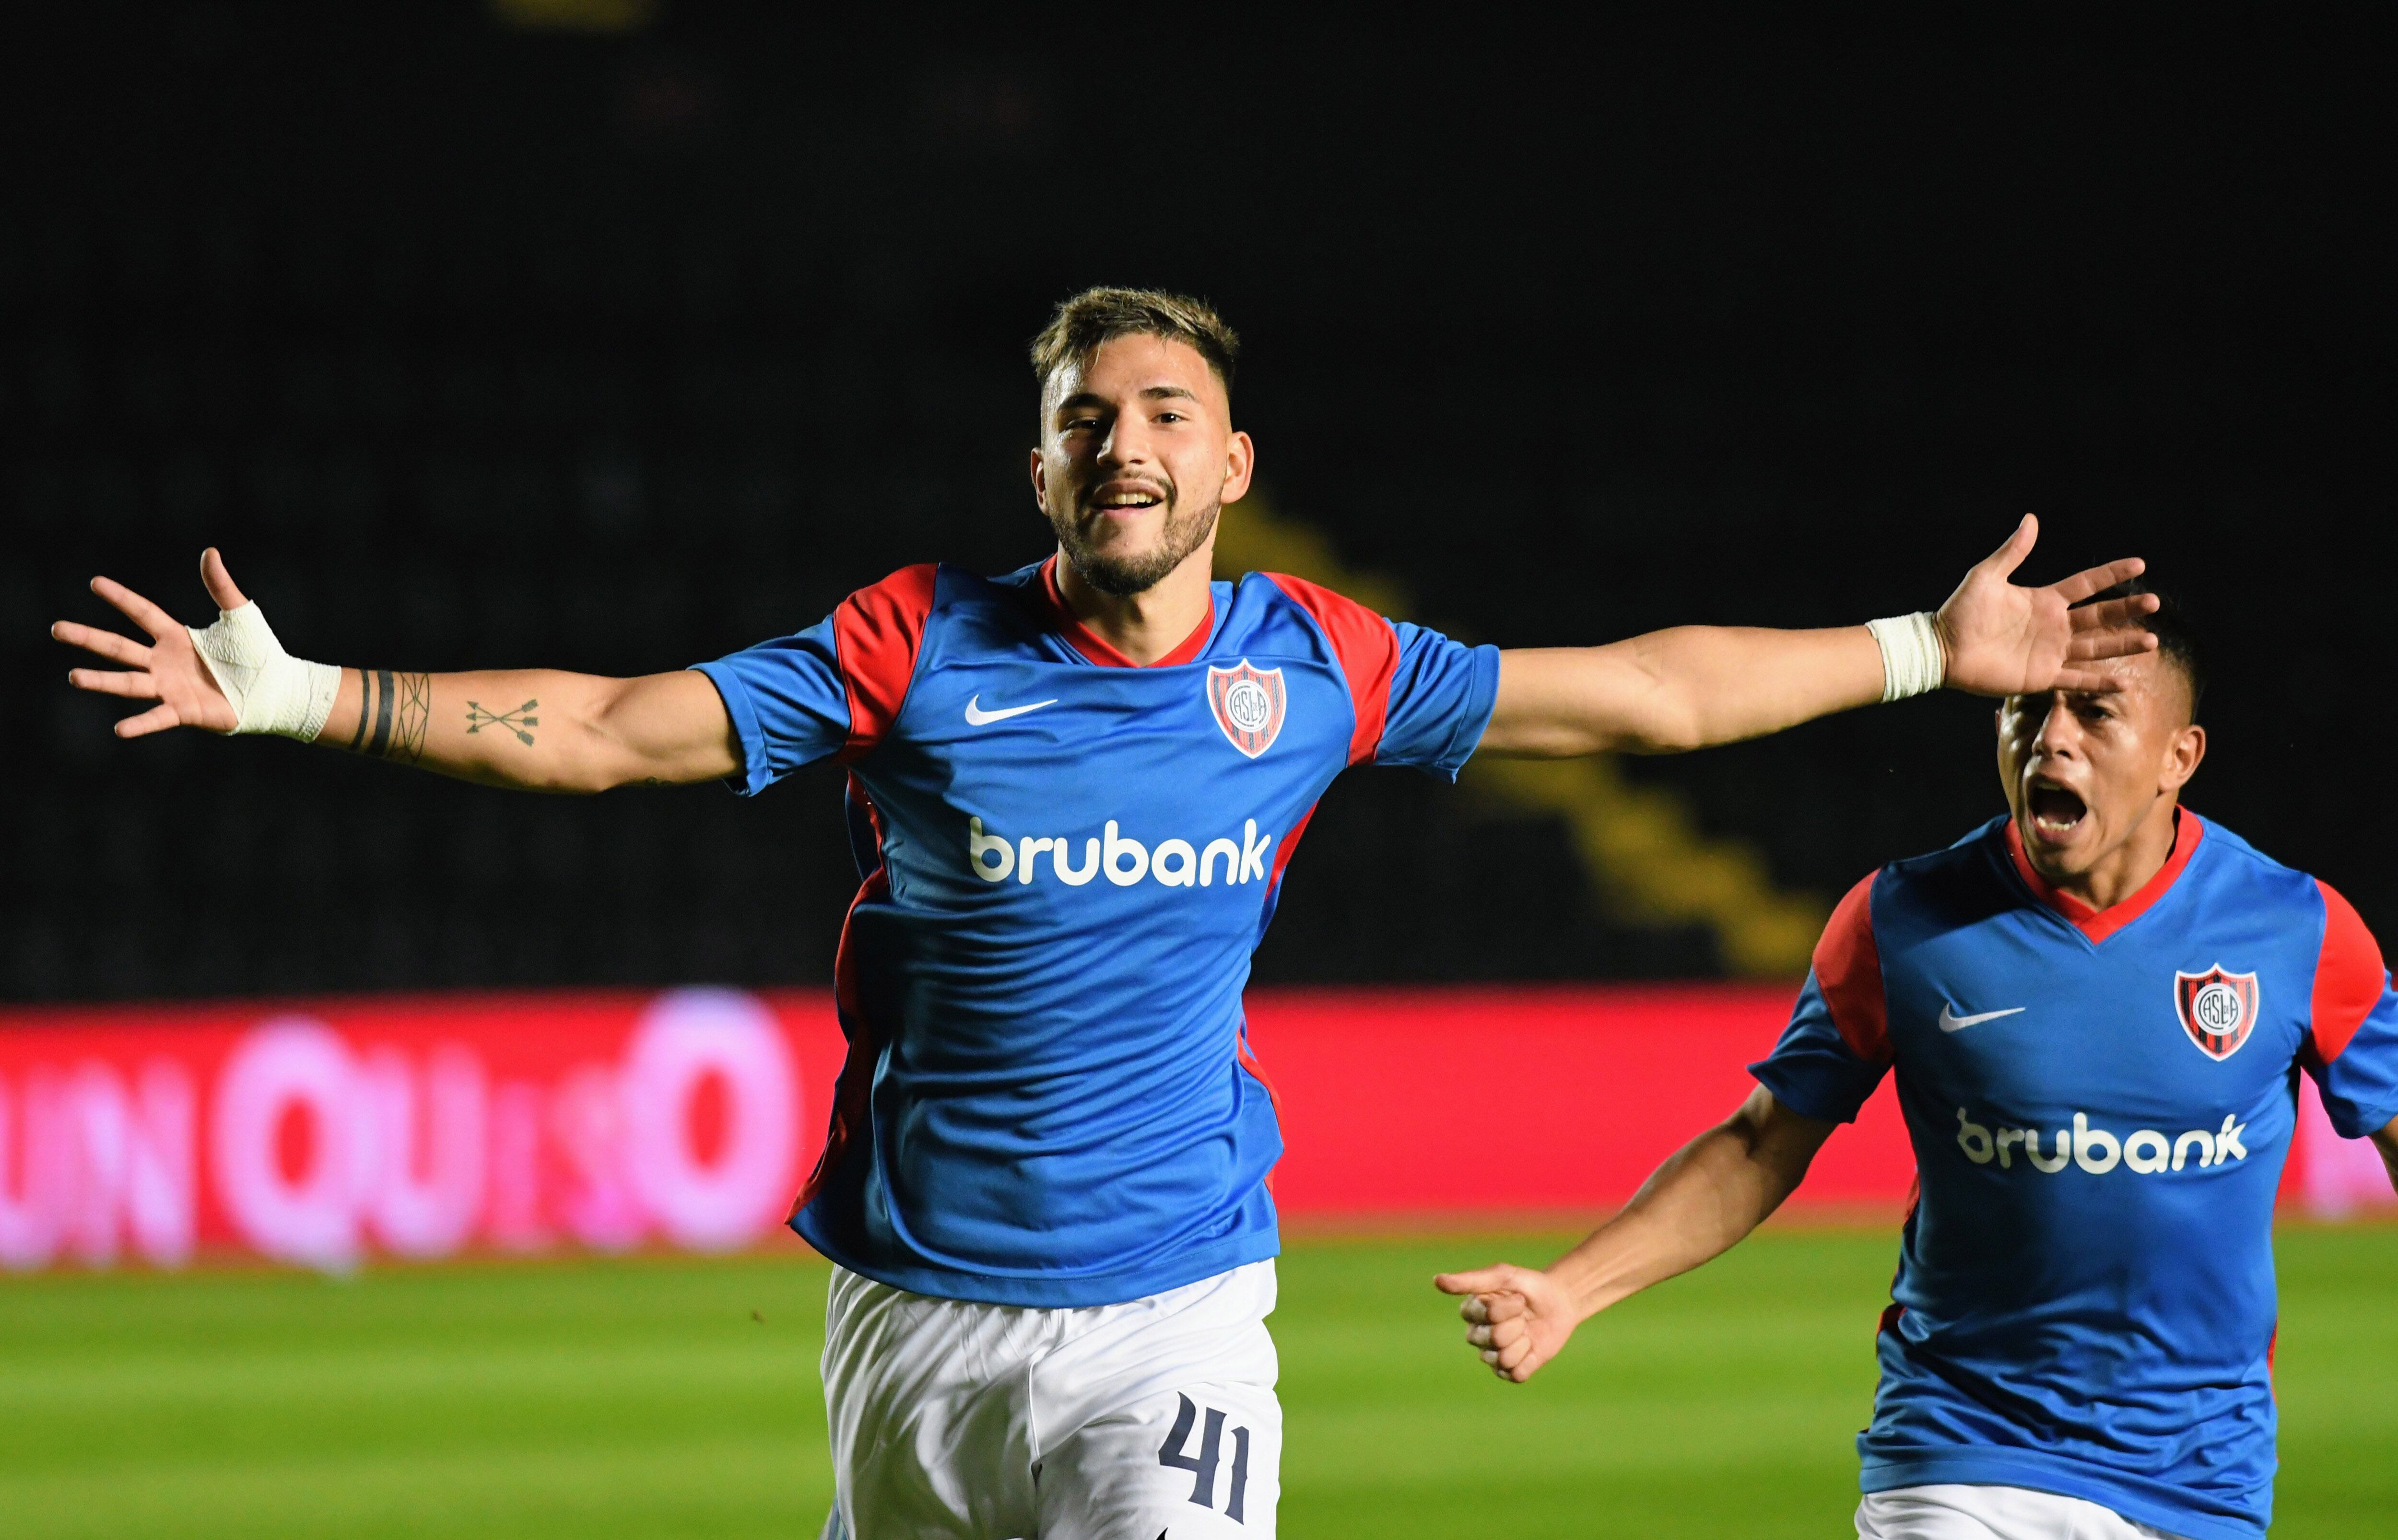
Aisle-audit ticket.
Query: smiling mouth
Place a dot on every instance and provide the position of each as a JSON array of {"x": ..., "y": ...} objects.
[
  {"x": 2055, "y": 812},
  {"x": 1127, "y": 499}
]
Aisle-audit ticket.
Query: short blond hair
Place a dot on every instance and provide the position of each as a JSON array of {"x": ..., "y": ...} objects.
[{"x": 1081, "y": 324}]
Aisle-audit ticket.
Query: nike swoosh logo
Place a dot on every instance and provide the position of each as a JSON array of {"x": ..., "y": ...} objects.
[
  {"x": 977, "y": 717},
  {"x": 1952, "y": 1021}
]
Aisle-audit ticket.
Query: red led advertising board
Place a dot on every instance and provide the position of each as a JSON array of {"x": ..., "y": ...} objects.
[{"x": 330, "y": 1132}]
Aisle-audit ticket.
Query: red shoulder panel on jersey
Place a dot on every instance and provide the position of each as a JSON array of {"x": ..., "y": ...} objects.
[
  {"x": 2349, "y": 975},
  {"x": 1848, "y": 970},
  {"x": 877, "y": 632},
  {"x": 1368, "y": 651}
]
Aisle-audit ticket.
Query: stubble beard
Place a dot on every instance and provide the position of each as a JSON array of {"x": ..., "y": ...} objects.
[{"x": 1125, "y": 576}]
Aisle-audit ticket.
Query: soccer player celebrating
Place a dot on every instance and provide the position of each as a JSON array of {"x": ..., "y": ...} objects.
[
  {"x": 2096, "y": 1006},
  {"x": 1073, "y": 793}
]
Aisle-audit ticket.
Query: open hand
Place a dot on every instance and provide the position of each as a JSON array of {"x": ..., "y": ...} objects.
[
  {"x": 167, "y": 671},
  {"x": 2003, "y": 639},
  {"x": 1519, "y": 1316}
]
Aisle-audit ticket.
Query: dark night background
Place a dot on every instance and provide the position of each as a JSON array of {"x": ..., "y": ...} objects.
[{"x": 482, "y": 346}]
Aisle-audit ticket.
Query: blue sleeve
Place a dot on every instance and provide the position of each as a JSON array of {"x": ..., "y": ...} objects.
[
  {"x": 1813, "y": 1070},
  {"x": 1441, "y": 696},
  {"x": 2360, "y": 1085},
  {"x": 788, "y": 705}
]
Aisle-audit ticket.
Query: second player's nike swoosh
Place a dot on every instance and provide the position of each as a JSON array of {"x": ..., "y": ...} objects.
[
  {"x": 977, "y": 717},
  {"x": 1952, "y": 1021}
]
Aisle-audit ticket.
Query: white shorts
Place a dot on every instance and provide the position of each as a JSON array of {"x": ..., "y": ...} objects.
[
  {"x": 956, "y": 1421},
  {"x": 1954, "y": 1511}
]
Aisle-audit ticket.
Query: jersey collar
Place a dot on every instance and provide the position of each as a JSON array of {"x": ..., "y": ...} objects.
[
  {"x": 1097, "y": 650},
  {"x": 2098, "y": 924}
]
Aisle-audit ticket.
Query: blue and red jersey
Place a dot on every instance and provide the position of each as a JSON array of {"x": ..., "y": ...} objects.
[
  {"x": 1068, "y": 860},
  {"x": 2101, "y": 1103}
]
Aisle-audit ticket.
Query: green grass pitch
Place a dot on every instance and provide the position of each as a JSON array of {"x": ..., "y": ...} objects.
[{"x": 647, "y": 1397}]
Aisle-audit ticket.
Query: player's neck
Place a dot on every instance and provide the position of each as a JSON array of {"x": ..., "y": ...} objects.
[
  {"x": 1146, "y": 625},
  {"x": 2127, "y": 868}
]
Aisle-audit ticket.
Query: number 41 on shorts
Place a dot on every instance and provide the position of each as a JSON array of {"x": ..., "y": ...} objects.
[{"x": 1175, "y": 1453}]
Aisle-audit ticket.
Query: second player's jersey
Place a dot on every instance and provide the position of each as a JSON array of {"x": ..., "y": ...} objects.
[
  {"x": 1068, "y": 861},
  {"x": 2101, "y": 1104}
]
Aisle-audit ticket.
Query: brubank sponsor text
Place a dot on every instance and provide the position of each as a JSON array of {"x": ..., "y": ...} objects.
[
  {"x": 1174, "y": 862},
  {"x": 2095, "y": 1150}
]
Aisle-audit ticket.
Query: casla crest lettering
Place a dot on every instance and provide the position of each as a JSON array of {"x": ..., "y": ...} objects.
[
  {"x": 2218, "y": 1009},
  {"x": 1247, "y": 703}
]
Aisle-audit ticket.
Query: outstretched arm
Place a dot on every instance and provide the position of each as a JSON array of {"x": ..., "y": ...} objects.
[
  {"x": 1695, "y": 1207},
  {"x": 541, "y": 729},
  {"x": 1696, "y": 686}
]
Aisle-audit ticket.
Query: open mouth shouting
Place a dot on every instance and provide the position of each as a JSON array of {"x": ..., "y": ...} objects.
[{"x": 2055, "y": 812}]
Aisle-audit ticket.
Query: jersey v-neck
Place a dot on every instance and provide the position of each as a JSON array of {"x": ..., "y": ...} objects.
[
  {"x": 1095, "y": 649},
  {"x": 2098, "y": 924}
]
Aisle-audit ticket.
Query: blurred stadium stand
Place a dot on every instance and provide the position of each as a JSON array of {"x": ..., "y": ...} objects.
[{"x": 475, "y": 345}]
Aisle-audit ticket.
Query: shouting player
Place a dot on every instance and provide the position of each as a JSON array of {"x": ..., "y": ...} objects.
[
  {"x": 1072, "y": 791},
  {"x": 2096, "y": 1008}
]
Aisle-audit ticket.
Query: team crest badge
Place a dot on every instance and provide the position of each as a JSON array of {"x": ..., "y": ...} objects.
[
  {"x": 1248, "y": 704},
  {"x": 2218, "y": 1009}
]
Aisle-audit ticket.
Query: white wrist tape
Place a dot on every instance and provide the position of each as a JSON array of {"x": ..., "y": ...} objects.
[
  {"x": 270, "y": 689},
  {"x": 1913, "y": 662}
]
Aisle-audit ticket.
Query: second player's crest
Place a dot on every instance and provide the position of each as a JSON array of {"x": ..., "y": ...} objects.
[
  {"x": 2218, "y": 1009},
  {"x": 1249, "y": 706}
]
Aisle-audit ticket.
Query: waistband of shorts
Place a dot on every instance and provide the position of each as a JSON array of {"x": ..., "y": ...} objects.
[
  {"x": 2152, "y": 1502},
  {"x": 1058, "y": 1293}
]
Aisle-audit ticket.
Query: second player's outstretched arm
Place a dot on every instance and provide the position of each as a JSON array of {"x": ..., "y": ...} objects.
[
  {"x": 1692, "y": 687},
  {"x": 541, "y": 729},
  {"x": 1695, "y": 1207}
]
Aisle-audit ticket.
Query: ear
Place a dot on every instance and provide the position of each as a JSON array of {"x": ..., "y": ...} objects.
[
  {"x": 1240, "y": 463},
  {"x": 1998, "y": 741},
  {"x": 1039, "y": 481},
  {"x": 2182, "y": 756}
]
